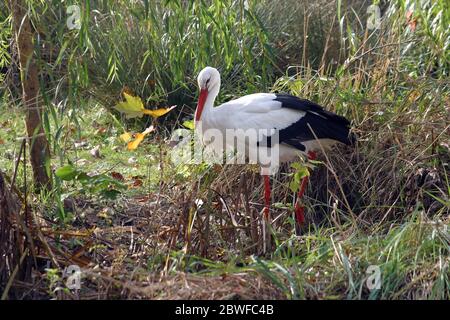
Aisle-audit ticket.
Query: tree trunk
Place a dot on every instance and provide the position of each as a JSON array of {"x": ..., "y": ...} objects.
[{"x": 39, "y": 149}]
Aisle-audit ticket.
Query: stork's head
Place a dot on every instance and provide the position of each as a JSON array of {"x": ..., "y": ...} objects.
[
  {"x": 208, "y": 78},
  {"x": 208, "y": 81}
]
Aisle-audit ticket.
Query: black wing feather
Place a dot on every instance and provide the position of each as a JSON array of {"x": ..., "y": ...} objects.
[{"x": 325, "y": 124}]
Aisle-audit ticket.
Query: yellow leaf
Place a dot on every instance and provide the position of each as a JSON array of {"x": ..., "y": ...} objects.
[
  {"x": 125, "y": 137},
  {"x": 158, "y": 112},
  {"x": 132, "y": 106},
  {"x": 132, "y": 145}
]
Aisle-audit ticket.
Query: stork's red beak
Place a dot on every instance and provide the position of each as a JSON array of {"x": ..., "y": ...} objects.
[{"x": 201, "y": 103}]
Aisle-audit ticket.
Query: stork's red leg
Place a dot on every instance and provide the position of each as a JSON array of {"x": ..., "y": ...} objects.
[
  {"x": 267, "y": 239},
  {"x": 299, "y": 209},
  {"x": 266, "y": 197}
]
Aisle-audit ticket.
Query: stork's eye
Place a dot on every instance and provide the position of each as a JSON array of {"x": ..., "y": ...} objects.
[{"x": 207, "y": 81}]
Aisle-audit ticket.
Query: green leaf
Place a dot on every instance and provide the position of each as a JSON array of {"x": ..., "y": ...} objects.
[
  {"x": 110, "y": 193},
  {"x": 293, "y": 185},
  {"x": 302, "y": 173},
  {"x": 67, "y": 172},
  {"x": 296, "y": 165},
  {"x": 132, "y": 106},
  {"x": 189, "y": 124}
]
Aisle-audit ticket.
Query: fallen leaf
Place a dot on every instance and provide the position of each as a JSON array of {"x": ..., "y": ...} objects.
[
  {"x": 137, "y": 183},
  {"x": 117, "y": 176},
  {"x": 125, "y": 137},
  {"x": 158, "y": 112},
  {"x": 132, "y": 145},
  {"x": 133, "y": 107}
]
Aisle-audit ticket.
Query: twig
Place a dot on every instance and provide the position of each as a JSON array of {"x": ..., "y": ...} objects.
[{"x": 13, "y": 275}]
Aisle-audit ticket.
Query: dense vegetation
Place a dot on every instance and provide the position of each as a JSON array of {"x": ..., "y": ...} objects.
[{"x": 141, "y": 226}]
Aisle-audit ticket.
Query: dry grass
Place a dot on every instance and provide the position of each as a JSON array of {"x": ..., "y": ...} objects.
[{"x": 126, "y": 251}]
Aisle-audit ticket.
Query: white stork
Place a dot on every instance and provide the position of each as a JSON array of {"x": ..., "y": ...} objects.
[{"x": 303, "y": 127}]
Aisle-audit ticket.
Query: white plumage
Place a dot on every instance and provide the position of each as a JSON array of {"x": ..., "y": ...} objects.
[{"x": 302, "y": 126}]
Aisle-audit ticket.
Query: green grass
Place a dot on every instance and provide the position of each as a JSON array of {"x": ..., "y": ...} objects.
[{"x": 412, "y": 258}]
